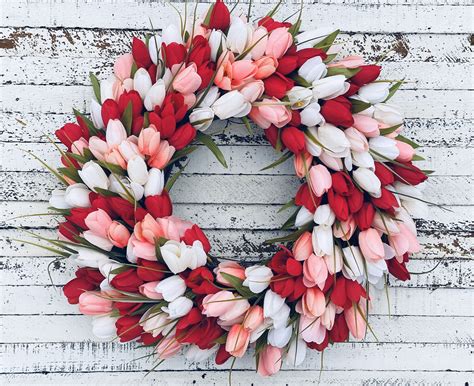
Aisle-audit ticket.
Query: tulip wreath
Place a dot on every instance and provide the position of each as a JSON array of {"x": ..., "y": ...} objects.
[{"x": 148, "y": 276}]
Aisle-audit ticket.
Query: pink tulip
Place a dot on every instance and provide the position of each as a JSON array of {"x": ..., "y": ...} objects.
[
  {"x": 167, "y": 347},
  {"x": 224, "y": 306},
  {"x": 149, "y": 141},
  {"x": 344, "y": 229},
  {"x": 313, "y": 302},
  {"x": 303, "y": 247},
  {"x": 128, "y": 149},
  {"x": 148, "y": 229},
  {"x": 98, "y": 148},
  {"x": 78, "y": 146},
  {"x": 406, "y": 152},
  {"x": 366, "y": 125},
  {"x": 98, "y": 222},
  {"x": 320, "y": 179},
  {"x": 302, "y": 163},
  {"x": 237, "y": 341},
  {"x": 253, "y": 90},
  {"x": 90, "y": 303},
  {"x": 189, "y": 99},
  {"x": 242, "y": 72},
  {"x": 173, "y": 228},
  {"x": 123, "y": 66},
  {"x": 315, "y": 271},
  {"x": 187, "y": 81},
  {"x": 371, "y": 244},
  {"x": 259, "y": 43},
  {"x": 355, "y": 321},
  {"x": 149, "y": 290},
  {"x": 115, "y": 157},
  {"x": 231, "y": 268},
  {"x": 118, "y": 234},
  {"x": 223, "y": 78},
  {"x": 270, "y": 111},
  {"x": 312, "y": 330},
  {"x": 278, "y": 42},
  {"x": 266, "y": 66},
  {"x": 357, "y": 140},
  {"x": 115, "y": 133},
  {"x": 143, "y": 249},
  {"x": 253, "y": 318},
  {"x": 269, "y": 362},
  {"x": 404, "y": 241},
  {"x": 349, "y": 62},
  {"x": 162, "y": 156}
]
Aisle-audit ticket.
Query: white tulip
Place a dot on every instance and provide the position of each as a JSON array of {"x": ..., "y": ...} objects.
[
  {"x": 172, "y": 34},
  {"x": 155, "y": 184},
  {"x": 115, "y": 133},
  {"x": 142, "y": 82},
  {"x": 282, "y": 318},
  {"x": 106, "y": 266},
  {"x": 385, "y": 224},
  {"x": 217, "y": 42},
  {"x": 313, "y": 69},
  {"x": 258, "y": 332},
  {"x": 410, "y": 197},
  {"x": 331, "y": 162},
  {"x": 154, "y": 47},
  {"x": 118, "y": 185},
  {"x": 388, "y": 113},
  {"x": 195, "y": 354},
  {"x": 310, "y": 137},
  {"x": 86, "y": 257},
  {"x": 330, "y": 87},
  {"x": 137, "y": 170},
  {"x": 374, "y": 92},
  {"x": 201, "y": 118},
  {"x": 98, "y": 241},
  {"x": 310, "y": 115},
  {"x": 237, "y": 35},
  {"x": 96, "y": 114},
  {"x": 334, "y": 261},
  {"x": 107, "y": 89},
  {"x": 279, "y": 337},
  {"x": 211, "y": 96},
  {"x": 155, "y": 96},
  {"x": 128, "y": 150},
  {"x": 253, "y": 90},
  {"x": 296, "y": 352},
  {"x": 386, "y": 147},
  {"x": 178, "y": 307},
  {"x": 310, "y": 38},
  {"x": 257, "y": 278},
  {"x": 402, "y": 215},
  {"x": 103, "y": 327},
  {"x": 171, "y": 288},
  {"x": 231, "y": 104},
  {"x": 272, "y": 304},
  {"x": 353, "y": 268},
  {"x": 195, "y": 255},
  {"x": 58, "y": 199},
  {"x": 324, "y": 215},
  {"x": 156, "y": 323},
  {"x": 327, "y": 318},
  {"x": 93, "y": 176},
  {"x": 259, "y": 42},
  {"x": 322, "y": 240},
  {"x": 375, "y": 272},
  {"x": 303, "y": 217},
  {"x": 363, "y": 159},
  {"x": 299, "y": 97},
  {"x": 174, "y": 256},
  {"x": 368, "y": 181},
  {"x": 334, "y": 141},
  {"x": 357, "y": 140},
  {"x": 131, "y": 257}
]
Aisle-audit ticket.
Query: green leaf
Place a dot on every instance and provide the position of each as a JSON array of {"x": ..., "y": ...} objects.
[
  {"x": 182, "y": 153},
  {"x": 358, "y": 106},
  {"x": 292, "y": 236},
  {"x": 174, "y": 177},
  {"x": 288, "y": 205},
  {"x": 95, "y": 85},
  {"x": 300, "y": 81},
  {"x": 275, "y": 9},
  {"x": 236, "y": 283},
  {"x": 283, "y": 158},
  {"x": 417, "y": 157},
  {"x": 114, "y": 169},
  {"x": 78, "y": 157},
  {"x": 118, "y": 270},
  {"x": 329, "y": 58},
  {"x": 158, "y": 254},
  {"x": 211, "y": 145},
  {"x": 414, "y": 145},
  {"x": 106, "y": 192},
  {"x": 393, "y": 89},
  {"x": 92, "y": 130},
  {"x": 146, "y": 119},
  {"x": 127, "y": 118},
  {"x": 390, "y": 130},
  {"x": 295, "y": 28},
  {"x": 347, "y": 72},
  {"x": 327, "y": 42},
  {"x": 290, "y": 223},
  {"x": 134, "y": 70},
  {"x": 71, "y": 173}
]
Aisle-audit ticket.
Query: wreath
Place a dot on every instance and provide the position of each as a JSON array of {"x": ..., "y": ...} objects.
[{"x": 148, "y": 276}]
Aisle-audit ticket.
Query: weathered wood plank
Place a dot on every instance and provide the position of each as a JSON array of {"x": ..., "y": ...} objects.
[
  {"x": 109, "y": 43},
  {"x": 397, "y": 18},
  {"x": 243, "y": 378},
  {"x": 49, "y": 300},
  {"x": 75, "y": 71},
  {"x": 61, "y": 99},
  {"x": 436, "y": 132},
  {"x": 92, "y": 357},
  {"x": 34, "y": 271}
]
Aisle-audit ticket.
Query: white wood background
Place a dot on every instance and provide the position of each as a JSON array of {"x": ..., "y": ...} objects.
[{"x": 47, "y": 49}]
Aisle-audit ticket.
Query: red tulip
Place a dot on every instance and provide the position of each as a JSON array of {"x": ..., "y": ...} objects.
[
  {"x": 338, "y": 204},
  {"x": 355, "y": 200},
  {"x": 277, "y": 85},
  {"x": 308, "y": 53},
  {"x": 409, "y": 173},
  {"x": 200, "y": 281},
  {"x": 384, "y": 174},
  {"x": 133, "y": 97},
  {"x": 293, "y": 139},
  {"x": 127, "y": 281},
  {"x": 365, "y": 216},
  {"x": 386, "y": 201},
  {"x": 159, "y": 205},
  {"x": 75, "y": 287},
  {"x": 110, "y": 110},
  {"x": 220, "y": 16},
  {"x": 272, "y": 135},
  {"x": 271, "y": 24},
  {"x": 69, "y": 133},
  {"x": 342, "y": 183},
  {"x": 174, "y": 53},
  {"x": 338, "y": 112},
  {"x": 340, "y": 331},
  {"x": 305, "y": 198},
  {"x": 287, "y": 64},
  {"x": 150, "y": 270},
  {"x": 195, "y": 233},
  {"x": 367, "y": 74},
  {"x": 397, "y": 269},
  {"x": 140, "y": 53},
  {"x": 182, "y": 136},
  {"x": 128, "y": 328}
]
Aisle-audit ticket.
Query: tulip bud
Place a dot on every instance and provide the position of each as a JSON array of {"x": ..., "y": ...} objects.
[
  {"x": 386, "y": 147},
  {"x": 94, "y": 176},
  {"x": 357, "y": 140},
  {"x": 338, "y": 112},
  {"x": 310, "y": 115},
  {"x": 178, "y": 307},
  {"x": 293, "y": 139},
  {"x": 253, "y": 90},
  {"x": 368, "y": 181},
  {"x": 278, "y": 42},
  {"x": 155, "y": 183},
  {"x": 142, "y": 82},
  {"x": 303, "y": 217},
  {"x": 231, "y": 104},
  {"x": 257, "y": 278},
  {"x": 269, "y": 361},
  {"x": 58, "y": 199},
  {"x": 201, "y": 118},
  {"x": 171, "y": 288},
  {"x": 103, "y": 327},
  {"x": 387, "y": 113},
  {"x": 353, "y": 263},
  {"x": 279, "y": 337},
  {"x": 300, "y": 97},
  {"x": 195, "y": 354},
  {"x": 310, "y": 137},
  {"x": 155, "y": 96},
  {"x": 330, "y": 87},
  {"x": 237, "y": 35},
  {"x": 92, "y": 304},
  {"x": 219, "y": 18},
  {"x": 96, "y": 114},
  {"x": 137, "y": 170},
  {"x": 77, "y": 195},
  {"x": 375, "y": 92},
  {"x": 319, "y": 179},
  {"x": 217, "y": 42},
  {"x": 115, "y": 132},
  {"x": 237, "y": 341},
  {"x": 313, "y": 69},
  {"x": 296, "y": 352}
]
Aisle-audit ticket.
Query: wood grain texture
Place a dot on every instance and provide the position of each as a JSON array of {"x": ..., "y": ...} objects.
[{"x": 424, "y": 330}]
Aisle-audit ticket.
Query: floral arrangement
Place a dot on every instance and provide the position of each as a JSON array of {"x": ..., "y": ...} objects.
[{"x": 148, "y": 276}]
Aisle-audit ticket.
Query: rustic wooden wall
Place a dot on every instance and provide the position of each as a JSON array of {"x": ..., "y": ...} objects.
[{"x": 47, "y": 49}]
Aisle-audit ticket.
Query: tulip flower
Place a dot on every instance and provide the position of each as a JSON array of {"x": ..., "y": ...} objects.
[
  {"x": 195, "y": 354},
  {"x": 257, "y": 278},
  {"x": 338, "y": 112},
  {"x": 315, "y": 272},
  {"x": 224, "y": 305},
  {"x": 356, "y": 320},
  {"x": 86, "y": 257},
  {"x": 253, "y": 90},
  {"x": 187, "y": 80},
  {"x": 238, "y": 35},
  {"x": 231, "y": 268},
  {"x": 303, "y": 217},
  {"x": 386, "y": 147},
  {"x": 266, "y": 66},
  {"x": 253, "y": 318},
  {"x": 178, "y": 307},
  {"x": 387, "y": 113},
  {"x": 149, "y": 290},
  {"x": 278, "y": 42},
  {"x": 118, "y": 234},
  {"x": 319, "y": 179},
  {"x": 272, "y": 304},
  {"x": 171, "y": 288},
  {"x": 299, "y": 97},
  {"x": 368, "y": 181},
  {"x": 167, "y": 348},
  {"x": 333, "y": 140},
  {"x": 374, "y": 92},
  {"x": 371, "y": 244},
  {"x": 142, "y": 82},
  {"x": 410, "y": 198},
  {"x": 311, "y": 329},
  {"x": 217, "y": 41},
  {"x": 201, "y": 118},
  {"x": 279, "y": 337},
  {"x": 219, "y": 17},
  {"x": 155, "y": 96},
  {"x": 311, "y": 136},
  {"x": 269, "y": 361},
  {"x": 90, "y": 303},
  {"x": 103, "y": 327},
  {"x": 93, "y": 176},
  {"x": 334, "y": 262},
  {"x": 353, "y": 263},
  {"x": 296, "y": 352},
  {"x": 58, "y": 199},
  {"x": 171, "y": 34},
  {"x": 155, "y": 183},
  {"x": 405, "y": 151},
  {"x": 313, "y": 69},
  {"x": 154, "y": 45},
  {"x": 231, "y": 104},
  {"x": 156, "y": 323},
  {"x": 310, "y": 115},
  {"x": 357, "y": 140},
  {"x": 137, "y": 170},
  {"x": 121, "y": 185},
  {"x": 96, "y": 115},
  {"x": 259, "y": 43},
  {"x": 115, "y": 132},
  {"x": 330, "y": 87},
  {"x": 237, "y": 341},
  {"x": 313, "y": 302},
  {"x": 376, "y": 269},
  {"x": 363, "y": 160},
  {"x": 271, "y": 112},
  {"x": 77, "y": 195},
  {"x": 302, "y": 248}
]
